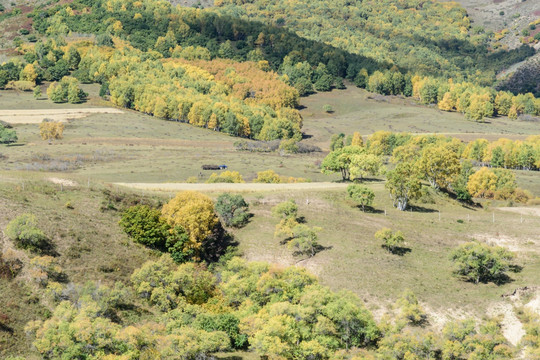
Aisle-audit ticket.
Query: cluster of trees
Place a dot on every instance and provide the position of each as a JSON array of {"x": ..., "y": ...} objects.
[
  {"x": 413, "y": 57},
  {"x": 298, "y": 236},
  {"x": 238, "y": 99},
  {"x": 202, "y": 34},
  {"x": 441, "y": 161},
  {"x": 188, "y": 227},
  {"x": 475, "y": 101},
  {"x": 429, "y": 38},
  {"x": 505, "y": 153},
  {"x": 274, "y": 312},
  {"x": 271, "y": 177},
  {"x": 225, "y": 177},
  {"x": 66, "y": 90}
]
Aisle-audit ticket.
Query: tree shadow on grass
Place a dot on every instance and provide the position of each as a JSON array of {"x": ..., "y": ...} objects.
[
  {"x": 421, "y": 209},
  {"x": 370, "y": 180},
  {"x": 400, "y": 251},
  {"x": 369, "y": 210},
  {"x": 317, "y": 249}
]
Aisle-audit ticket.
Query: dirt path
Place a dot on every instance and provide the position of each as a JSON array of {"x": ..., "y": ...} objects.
[
  {"x": 37, "y": 116},
  {"x": 233, "y": 187}
]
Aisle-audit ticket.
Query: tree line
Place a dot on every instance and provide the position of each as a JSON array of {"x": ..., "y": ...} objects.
[{"x": 445, "y": 163}]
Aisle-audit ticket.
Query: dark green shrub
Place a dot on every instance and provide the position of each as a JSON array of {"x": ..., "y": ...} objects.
[
  {"x": 145, "y": 226},
  {"x": 477, "y": 262},
  {"x": 233, "y": 210},
  {"x": 7, "y": 136}
]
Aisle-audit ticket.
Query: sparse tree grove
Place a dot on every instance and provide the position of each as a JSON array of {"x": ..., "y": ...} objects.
[{"x": 140, "y": 276}]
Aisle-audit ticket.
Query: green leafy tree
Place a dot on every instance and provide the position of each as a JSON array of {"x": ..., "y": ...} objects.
[
  {"x": 304, "y": 240},
  {"x": 477, "y": 262},
  {"x": 459, "y": 186},
  {"x": 340, "y": 161},
  {"x": 73, "y": 58},
  {"x": 362, "y": 195},
  {"x": 286, "y": 210},
  {"x": 7, "y": 136},
  {"x": 403, "y": 184},
  {"x": 37, "y": 92},
  {"x": 364, "y": 164},
  {"x": 336, "y": 142},
  {"x": 233, "y": 210},
  {"x": 57, "y": 93}
]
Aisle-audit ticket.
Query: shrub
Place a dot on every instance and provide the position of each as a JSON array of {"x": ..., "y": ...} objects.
[
  {"x": 304, "y": 240},
  {"x": 361, "y": 194},
  {"x": 225, "y": 177},
  {"x": 233, "y": 210},
  {"x": 145, "y": 226},
  {"x": 286, "y": 210},
  {"x": 478, "y": 262},
  {"x": 24, "y": 231},
  {"x": 391, "y": 241},
  {"x": 7, "y": 136},
  {"x": 328, "y": 108},
  {"x": 411, "y": 310},
  {"x": 267, "y": 177},
  {"x": 289, "y": 146}
]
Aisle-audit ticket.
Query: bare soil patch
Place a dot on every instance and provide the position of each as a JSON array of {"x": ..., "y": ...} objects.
[
  {"x": 37, "y": 116},
  {"x": 63, "y": 182}
]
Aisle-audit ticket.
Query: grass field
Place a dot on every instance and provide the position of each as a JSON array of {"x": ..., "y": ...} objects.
[
  {"x": 101, "y": 149},
  {"x": 358, "y": 110}
]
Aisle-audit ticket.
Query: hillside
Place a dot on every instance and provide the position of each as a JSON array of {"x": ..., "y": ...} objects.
[{"x": 280, "y": 180}]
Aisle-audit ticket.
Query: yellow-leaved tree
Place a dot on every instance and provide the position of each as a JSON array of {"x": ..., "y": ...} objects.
[
  {"x": 50, "y": 130},
  {"x": 482, "y": 183},
  {"x": 194, "y": 212},
  {"x": 357, "y": 139}
]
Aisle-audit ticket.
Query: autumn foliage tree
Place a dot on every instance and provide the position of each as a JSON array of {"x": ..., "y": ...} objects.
[
  {"x": 403, "y": 184},
  {"x": 195, "y": 213},
  {"x": 51, "y": 130}
]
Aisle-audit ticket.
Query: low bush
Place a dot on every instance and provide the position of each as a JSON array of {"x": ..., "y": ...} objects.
[
  {"x": 392, "y": 241},
  {"x": 477, "y": 262},
  {"x": 24, "y": 232}
]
